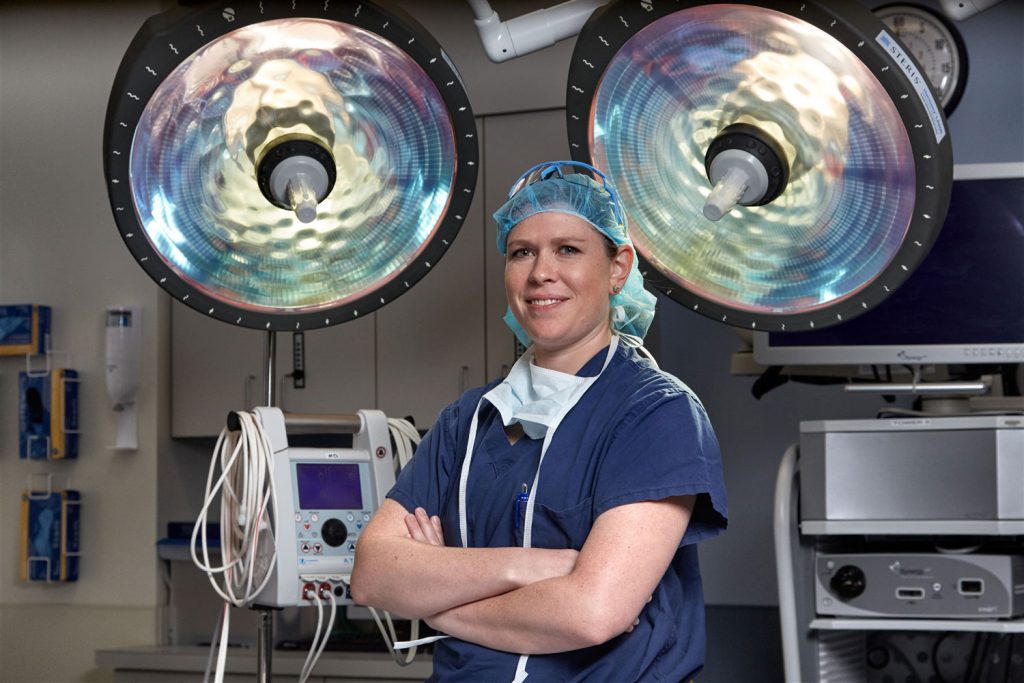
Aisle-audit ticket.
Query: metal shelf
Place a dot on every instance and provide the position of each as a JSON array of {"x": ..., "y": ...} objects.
[
  {"x": 972, "y": 625},
  {"x": 986, "y": 527},
  {"x": 179, "y": 551}
]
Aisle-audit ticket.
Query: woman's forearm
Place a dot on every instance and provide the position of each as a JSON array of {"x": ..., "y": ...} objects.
[
  {"x": 416, "y": 580},
  {"x": 555, "y": 615},
  {"x": 618, "y": 570}
]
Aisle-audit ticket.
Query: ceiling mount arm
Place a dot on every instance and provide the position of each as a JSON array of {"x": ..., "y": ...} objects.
[{"x": 504, "y": 40}]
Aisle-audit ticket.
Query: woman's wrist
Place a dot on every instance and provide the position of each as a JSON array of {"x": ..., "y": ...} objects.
[{"x": 538, "y": 564}]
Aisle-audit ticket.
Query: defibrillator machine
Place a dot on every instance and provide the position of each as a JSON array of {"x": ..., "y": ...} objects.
[{"x": 325, "y": 497}]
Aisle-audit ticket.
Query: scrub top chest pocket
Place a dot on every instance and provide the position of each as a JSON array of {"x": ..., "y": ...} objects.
[{"x": 558, "y": 528}]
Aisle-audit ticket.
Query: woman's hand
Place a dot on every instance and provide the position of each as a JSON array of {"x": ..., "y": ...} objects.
[
  {"x": 636, "y": 622},
  {"x": 424, "y": 528},
  {"x": 540, "y": 565}
]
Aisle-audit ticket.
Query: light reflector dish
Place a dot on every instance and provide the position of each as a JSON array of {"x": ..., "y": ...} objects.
[
  {"x": 650, "y": 91},
  {"x": 201, "y": 101}
]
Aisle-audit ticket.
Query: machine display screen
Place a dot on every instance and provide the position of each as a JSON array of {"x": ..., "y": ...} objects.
[
  {"x": 329, "y": 486},
  {"x": 965, "y": 300}
]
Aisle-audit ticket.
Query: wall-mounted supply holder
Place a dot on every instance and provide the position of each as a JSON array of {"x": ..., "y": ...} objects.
[
  {"x": 24, "y": 328},
  {"x": 123, "y": 371},
  {"x": 48, "y": 409},
  {"x": 50, "y": 530}
]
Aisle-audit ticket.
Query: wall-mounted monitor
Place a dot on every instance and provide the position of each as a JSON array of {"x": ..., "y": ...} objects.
[{"x": 963, "y": 305}]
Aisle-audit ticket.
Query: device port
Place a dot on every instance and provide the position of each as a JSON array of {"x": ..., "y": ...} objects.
[
  {"x": 910, "y": 593},
  {"x": 971, "y": 586}
]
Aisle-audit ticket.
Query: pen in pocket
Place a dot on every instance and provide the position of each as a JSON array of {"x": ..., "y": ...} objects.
[{"x": 522, "y": 498}]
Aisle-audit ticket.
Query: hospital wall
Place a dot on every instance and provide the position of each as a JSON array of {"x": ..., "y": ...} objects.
[{"x": 59, "y": 246}]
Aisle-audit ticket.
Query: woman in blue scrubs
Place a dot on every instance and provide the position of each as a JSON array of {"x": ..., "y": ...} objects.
[{"x": 548, "y": 523}]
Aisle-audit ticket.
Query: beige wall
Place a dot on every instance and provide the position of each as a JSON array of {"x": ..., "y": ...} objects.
[{"x": 58, "y": 246}]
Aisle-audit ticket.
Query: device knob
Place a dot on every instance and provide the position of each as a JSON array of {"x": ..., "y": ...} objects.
[
  {"x": 848, "y": 582},
  {"x": 334, "y": 532}
]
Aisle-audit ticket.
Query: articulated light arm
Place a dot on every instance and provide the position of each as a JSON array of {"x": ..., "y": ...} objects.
[
  {"x": 958, "y": 10},
  {"x": 504, "y": 40}
]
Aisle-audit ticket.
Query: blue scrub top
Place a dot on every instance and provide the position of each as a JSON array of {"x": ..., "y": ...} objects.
[{"x": 637, "y": 434}]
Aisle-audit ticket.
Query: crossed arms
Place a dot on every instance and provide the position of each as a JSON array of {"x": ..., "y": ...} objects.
[{"x": 522, "y": 600}]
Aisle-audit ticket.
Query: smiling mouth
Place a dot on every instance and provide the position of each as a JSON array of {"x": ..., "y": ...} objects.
[{"x": 543, "y": 303}]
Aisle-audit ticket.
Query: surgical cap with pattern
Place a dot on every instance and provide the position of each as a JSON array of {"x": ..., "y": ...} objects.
[{"x": 582, "y": 196}]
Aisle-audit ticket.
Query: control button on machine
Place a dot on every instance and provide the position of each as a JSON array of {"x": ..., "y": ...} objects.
[
  {"x": 848, "y": 582},
  {"x": 314, "y": 517},
  {"x": 298, "y": 516},
  {"x": 350, "y": 517},
  {"x": 334, "y": 532},
  {"x": 305, "y": 547},
  {"x": 318, "y": 547}
]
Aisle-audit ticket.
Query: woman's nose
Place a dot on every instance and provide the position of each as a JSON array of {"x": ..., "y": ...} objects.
[{"x": 543, "y": 269}]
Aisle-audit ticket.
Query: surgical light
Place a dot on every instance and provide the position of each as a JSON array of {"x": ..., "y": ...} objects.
[
  {"x": 783, "y": 166},
  {"x": 288, "y": 166}
]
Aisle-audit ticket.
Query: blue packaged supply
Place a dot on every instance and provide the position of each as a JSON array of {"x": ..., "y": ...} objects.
[
  {"x": 48, "y": 415},
  {"x": 50, "y": 535},
  {"x": 24, "y": 329}
]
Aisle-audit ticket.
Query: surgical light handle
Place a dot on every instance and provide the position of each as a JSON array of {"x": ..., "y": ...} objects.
[
  {"x": 311, "y": 423},
  {"x": 505, "y": 40},
  {"x": 973, "y": 388}
]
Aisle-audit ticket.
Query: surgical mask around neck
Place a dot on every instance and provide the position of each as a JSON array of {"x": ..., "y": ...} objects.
[
  {"x": 533, "y": 396},
  {"x": 536, "y": 397}
]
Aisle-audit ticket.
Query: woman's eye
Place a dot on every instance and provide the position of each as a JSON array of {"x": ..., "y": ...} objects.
[
  {"x": 519, "y": 253},
  {"x": 566, "y": 249}
]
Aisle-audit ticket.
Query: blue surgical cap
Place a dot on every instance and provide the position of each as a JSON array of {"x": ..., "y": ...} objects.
[{"x": 580, "y": 195}]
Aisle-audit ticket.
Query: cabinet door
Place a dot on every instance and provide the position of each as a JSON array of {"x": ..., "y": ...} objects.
[
  {"x": 215, "y": 368},
  {"x": 339, "y": 369},
  {"x": 513, "y": 143},
  {"x": 430, "y": 341}
]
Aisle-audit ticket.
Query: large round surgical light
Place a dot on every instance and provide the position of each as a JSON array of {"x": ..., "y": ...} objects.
[
  {"x": 782, "y": 166},
  {"x": 284, "y": 165}
]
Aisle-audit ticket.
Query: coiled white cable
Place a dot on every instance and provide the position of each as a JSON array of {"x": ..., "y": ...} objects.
[
  {"x": 406, "y": 437},
  {"x": 248, "y": 510},
  {"x": 248, "y": 514}
]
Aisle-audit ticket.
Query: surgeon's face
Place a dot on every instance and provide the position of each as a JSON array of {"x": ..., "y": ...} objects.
[{"x": 558, "y": 280}]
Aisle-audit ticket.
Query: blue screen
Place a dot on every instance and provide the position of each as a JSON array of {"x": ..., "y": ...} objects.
[
  {"x": 968, "y": 290},
  {"x": 328, "y": 486}
]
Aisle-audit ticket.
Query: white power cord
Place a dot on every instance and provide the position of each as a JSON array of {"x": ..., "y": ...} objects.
[
  {"x": 391, "y": 638},
  {"x": 319, "y": 643},
  {"x": 248, "y": 510},
  {"x": 406, "y": 439},
  {"x": 307, "y": 665}
]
